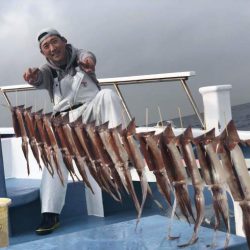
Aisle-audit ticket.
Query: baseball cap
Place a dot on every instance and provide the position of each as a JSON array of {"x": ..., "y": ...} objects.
[{"x": 44, "y": 33}]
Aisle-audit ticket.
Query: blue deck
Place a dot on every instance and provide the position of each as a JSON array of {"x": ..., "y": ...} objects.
[
  {"x": 22, "y": 191},
  {"x": 150, "y": 234},
  {"x": 24, "y": 218}
]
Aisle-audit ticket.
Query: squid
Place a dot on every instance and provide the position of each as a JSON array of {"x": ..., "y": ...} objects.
[
  {"x": 25, "y": 145},
  {"x": 39, "y": 140},
  {"x": 130, "y": 143},
  {"x": 43, "y": 141},
  {"x": 216, "y": 181},
  {"x": 230, "y": 173},
  {"x": 75, "y": 152},
  {"x": 88, "y": 152},
  {"x": 107, "y": 166},
  {"x": 111, "y": 148},
  {"x": 187, "y": 150},
  {"x": 15, "y": 122},
  {"x": 114, "y": 146},
  {"x": 62, "y": 144},
  {"x": 53, "y": 144},
  {"x": 238, "y": 160},
  {"x": 153, "y": 156},
  {"x": 176, "y": 172},
  {"x": 152, "y": 149},
  {"x": 241, "y": 170},
  {"x": 29, "y": 124}
]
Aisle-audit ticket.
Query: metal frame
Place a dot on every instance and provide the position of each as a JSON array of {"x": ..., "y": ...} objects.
[{"x": 182, "y": 77}]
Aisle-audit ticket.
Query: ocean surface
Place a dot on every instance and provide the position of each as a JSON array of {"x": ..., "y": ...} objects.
[{"x": 240, "y": 115}]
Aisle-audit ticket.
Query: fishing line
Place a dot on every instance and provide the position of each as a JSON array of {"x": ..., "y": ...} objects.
[
  {"x": 25, "y": 103},
  {"x": 16, "y": 97},
  {"x": 35, "y": 100},
  {"x": 161, "y": 120},
  {"x": 146, "y": 117},
  {"x": 180, "y": 116},
  {"x": 44, "y": 107},
  {"x": 124, "y": 119},
  {"x": 224, "y": 113},
  {"x": 205, "y": 125},
  {"x": 44, "y": 111}
]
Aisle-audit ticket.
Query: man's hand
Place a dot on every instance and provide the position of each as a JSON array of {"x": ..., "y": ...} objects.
[
  {"x": 87, "y": 65},
  {"x": 31, "y": 75}
]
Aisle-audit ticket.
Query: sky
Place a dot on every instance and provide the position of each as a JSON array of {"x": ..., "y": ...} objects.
[{"x": 134, "y": 37}]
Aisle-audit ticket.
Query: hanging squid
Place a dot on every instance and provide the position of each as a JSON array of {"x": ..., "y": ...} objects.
[
  {"x": 75, "y": 152},
  {"x": 185, "y": 140},
  {"x": 216, "y": 181},
  {"x": 54, "y": 150},
  {"x": 176, "y": 172},
  {"x": 21, "y": 124},
  {"x": 29, "y": 124},
  {"x": 109, "y": 173},
  {"x": 43, "y": 141}
]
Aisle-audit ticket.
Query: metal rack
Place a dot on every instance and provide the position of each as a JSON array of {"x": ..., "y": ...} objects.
[{"x": 182, "y": 77}]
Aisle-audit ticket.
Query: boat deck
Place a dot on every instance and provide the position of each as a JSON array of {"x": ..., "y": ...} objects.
[{"x": 118, "y": 232}]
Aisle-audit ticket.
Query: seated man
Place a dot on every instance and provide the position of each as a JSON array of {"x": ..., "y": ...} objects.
[{"x": 69, "y": 77}]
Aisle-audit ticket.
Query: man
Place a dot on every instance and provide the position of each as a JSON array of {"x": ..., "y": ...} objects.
[{"x": 69, "y": 76}]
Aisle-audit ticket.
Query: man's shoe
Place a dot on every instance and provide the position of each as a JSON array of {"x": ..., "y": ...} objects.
[{"x": 50, "y": 222}]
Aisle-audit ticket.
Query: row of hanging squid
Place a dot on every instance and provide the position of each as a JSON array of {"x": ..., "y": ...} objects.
[{"x": 208, "y": 160}]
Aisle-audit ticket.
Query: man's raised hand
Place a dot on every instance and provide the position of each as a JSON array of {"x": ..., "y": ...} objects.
[
  {"x": 31, "y": 75},
  {"x": 87, "y": 65}
]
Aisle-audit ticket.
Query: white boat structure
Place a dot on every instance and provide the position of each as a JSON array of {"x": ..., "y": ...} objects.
[{"x": 23, "y": 190}]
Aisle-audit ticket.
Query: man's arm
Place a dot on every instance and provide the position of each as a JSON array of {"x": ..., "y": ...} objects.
[{"x": 39, "y": 77}]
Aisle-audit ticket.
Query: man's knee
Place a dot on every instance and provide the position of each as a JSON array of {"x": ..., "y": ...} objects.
[{"x": 108, "y": 94}]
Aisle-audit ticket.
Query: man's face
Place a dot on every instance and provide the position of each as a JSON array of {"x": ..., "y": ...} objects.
[{"x": 54, "y": 49}]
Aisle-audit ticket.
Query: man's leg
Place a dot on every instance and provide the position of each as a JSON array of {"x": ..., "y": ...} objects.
[
  {"x": 52, "y": 194},
  {"x": 106, "y": 106}
]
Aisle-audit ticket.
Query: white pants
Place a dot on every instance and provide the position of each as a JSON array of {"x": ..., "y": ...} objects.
[{"x": 106, "y": 106}]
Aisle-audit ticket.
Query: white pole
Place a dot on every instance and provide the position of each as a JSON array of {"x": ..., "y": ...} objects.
[{"x": 217, "y": 106}]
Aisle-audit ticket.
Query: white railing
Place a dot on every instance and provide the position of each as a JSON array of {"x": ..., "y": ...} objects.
[{"x": 181, "y": 77}]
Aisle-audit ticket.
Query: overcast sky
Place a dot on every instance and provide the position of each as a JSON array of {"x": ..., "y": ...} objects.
[{"x": 135, "y": 37}]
